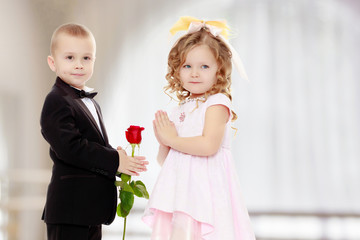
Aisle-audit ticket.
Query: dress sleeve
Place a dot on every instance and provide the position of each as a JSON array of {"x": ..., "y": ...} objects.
[{"x": 220, "y": 99}]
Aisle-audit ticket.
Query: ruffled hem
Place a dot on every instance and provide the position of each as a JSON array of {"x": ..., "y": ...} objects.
[{"x": 176, "y": 225}]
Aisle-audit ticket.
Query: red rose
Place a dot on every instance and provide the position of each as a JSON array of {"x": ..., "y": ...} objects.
[
  {"x": 127, "y": 188},
  {"x": 133, "y": 134}
]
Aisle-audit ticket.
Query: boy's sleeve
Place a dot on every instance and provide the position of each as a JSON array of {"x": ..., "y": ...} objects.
[{"x": 59, "y": 129}]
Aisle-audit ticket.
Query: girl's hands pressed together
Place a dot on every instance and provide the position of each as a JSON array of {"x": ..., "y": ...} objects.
[{"x": 164, "y": 129}]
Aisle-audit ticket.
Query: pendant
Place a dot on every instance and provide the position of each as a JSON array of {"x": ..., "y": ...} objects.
[{"x": 182, "y": 117}]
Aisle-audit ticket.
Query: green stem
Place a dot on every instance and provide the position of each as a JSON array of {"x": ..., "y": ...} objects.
[
  {"x": 132, "y": 154},
  {"x": 133, "y": 150},
  {"x": 124, "y": 228}
]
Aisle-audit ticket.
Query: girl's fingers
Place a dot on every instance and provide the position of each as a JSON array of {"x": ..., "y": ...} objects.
[
  {"x": 164, "y": 118},
  {"x": 159, "y": 119}
]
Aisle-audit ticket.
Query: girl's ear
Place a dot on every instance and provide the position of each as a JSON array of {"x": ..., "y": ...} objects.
[{"x": 51, "y": 63}]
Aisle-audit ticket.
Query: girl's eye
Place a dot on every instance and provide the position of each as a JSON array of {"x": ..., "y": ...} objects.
[
  {"x": 204, "y": 66},
  {"x": 186, "y": 66}
]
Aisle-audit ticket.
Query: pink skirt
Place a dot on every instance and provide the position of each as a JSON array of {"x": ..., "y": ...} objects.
[
  {"x": 198, "y": 198},
  {"x": 175, "y": 226}
]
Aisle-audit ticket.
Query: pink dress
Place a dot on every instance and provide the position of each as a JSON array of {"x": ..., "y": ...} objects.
[{"x": 198, "y": 197}]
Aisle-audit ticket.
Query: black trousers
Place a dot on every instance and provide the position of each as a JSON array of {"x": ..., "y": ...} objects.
[{"x": 73, "y": 232}]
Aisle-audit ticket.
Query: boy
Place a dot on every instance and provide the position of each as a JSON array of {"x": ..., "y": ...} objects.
[{"x": 81, "y": 194}]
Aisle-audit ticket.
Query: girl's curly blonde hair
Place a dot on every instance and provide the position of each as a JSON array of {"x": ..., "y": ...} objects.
[{"x": 177, "y": 57}]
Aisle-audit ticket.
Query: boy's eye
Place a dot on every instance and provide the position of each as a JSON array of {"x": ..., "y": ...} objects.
[
  {"x": 70, "y": 57},
  {"x": 87, "y": 58},
  {"x": 204, "y": 66}
]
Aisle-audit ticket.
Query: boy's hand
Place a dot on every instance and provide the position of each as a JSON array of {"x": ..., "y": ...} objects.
[
  {"x": 165, "y": 130},
  {"x": 131, "y": 165}
]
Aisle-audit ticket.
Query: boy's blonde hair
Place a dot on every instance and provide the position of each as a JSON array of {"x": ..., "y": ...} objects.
[
  {"x": 177, "y": 57},
  {"x": 72, "y": 29}
]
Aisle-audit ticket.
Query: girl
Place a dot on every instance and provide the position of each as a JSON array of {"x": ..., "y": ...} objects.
[{"x": 197, "y": 193}]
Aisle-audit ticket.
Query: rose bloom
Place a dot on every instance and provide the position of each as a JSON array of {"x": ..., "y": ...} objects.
[{"x": 133, "y": 134}]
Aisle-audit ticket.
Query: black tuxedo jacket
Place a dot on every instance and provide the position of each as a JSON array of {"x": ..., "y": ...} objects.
[{"x": 81, "y": 190}]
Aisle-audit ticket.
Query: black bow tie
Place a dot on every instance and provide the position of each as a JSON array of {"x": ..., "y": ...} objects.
[{"x": 83, "y": 94}]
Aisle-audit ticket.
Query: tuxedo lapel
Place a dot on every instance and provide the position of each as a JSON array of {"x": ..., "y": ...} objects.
[
  {"x": 91, "y": 118},
  {"x": 72, "y": 93},
  {"x": 98, "y": 111}
]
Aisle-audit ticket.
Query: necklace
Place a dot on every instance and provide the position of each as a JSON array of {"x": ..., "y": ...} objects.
[{"x": 202, "y": 99}]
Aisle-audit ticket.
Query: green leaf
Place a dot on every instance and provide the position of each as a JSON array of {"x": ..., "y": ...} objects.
[
  {"x": 118, "y": 183},
  {"x": 118, "y": 210},
  {"x": 140, "y": 186},
  {"x": 138, "y": 182},
  {"x": 124, "y": 186},
  {"x": 125, "y": 177},
  {"x": 121, "y": 212},
  {"x": 137, "y": 192},
  {"x": 127, "y": 202}
]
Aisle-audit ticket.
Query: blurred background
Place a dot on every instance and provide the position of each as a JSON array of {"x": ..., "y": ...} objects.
[{"x": 297, "y": 145}]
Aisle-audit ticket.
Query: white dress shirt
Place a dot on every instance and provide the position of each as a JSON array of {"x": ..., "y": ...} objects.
[{"x": 91, "y": 107}]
